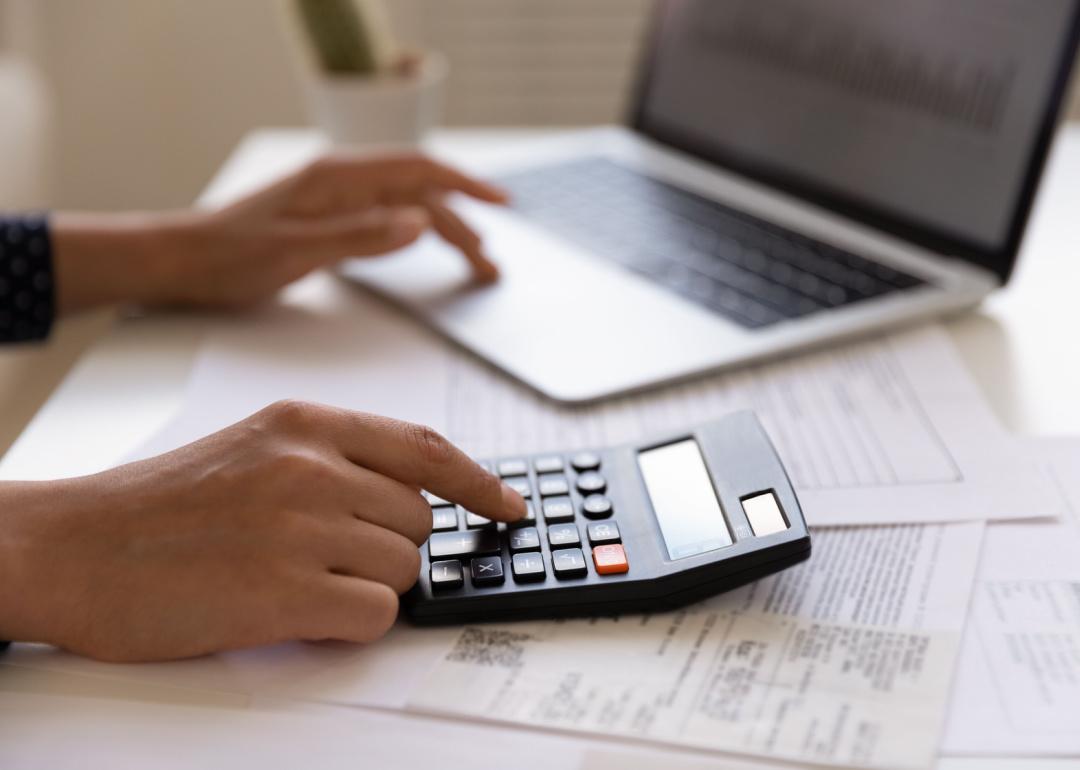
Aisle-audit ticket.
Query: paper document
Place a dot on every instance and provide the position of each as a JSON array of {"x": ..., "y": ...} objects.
[
  {"x": 885, "y": 430},
  {"x": 1018, "y": 683},
  {"x": 846, "y": 659}
]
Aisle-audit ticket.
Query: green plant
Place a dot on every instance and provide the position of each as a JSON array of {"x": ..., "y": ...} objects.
[{"x": 342, "y": 37}]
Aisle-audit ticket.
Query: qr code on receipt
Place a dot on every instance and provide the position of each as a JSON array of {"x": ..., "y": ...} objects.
[{"x": 489, "y": 647}]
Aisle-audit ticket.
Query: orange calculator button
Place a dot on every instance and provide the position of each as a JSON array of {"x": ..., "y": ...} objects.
[{"x": 610, "y": 560}]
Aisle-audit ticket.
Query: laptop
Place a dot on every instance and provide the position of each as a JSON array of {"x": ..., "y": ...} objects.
[{"x": 794, "y": 172}]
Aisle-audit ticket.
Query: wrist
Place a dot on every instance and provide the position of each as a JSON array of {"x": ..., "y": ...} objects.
[{"x": 110, "y": 259}]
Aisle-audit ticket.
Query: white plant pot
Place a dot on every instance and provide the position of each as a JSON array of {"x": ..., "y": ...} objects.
[{"x": 382, "y": 110}]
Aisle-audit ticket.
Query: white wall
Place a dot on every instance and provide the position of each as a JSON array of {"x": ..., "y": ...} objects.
[{"x": 151, "y": 95}]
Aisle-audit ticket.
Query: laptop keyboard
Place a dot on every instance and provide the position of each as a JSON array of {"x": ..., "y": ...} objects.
[{"x": 748, "y": 270}]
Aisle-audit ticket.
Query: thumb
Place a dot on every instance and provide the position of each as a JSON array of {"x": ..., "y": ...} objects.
[{"x": 373, "y": 232}]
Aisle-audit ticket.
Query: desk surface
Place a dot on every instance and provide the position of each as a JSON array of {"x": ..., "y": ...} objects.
[{"x": 1019, "y": 345}]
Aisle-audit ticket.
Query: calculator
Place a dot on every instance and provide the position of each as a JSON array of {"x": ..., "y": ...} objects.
[{"x": 641, "y": 527}]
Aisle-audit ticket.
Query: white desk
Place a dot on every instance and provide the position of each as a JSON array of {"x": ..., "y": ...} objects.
[{"x": 1020, "y": 346}]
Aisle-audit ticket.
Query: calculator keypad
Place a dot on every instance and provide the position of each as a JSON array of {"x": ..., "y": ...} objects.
[
  {"x": 568, "y": 563},
  {"x": 442, "y": 545},
  {"x": 604, "y": 532},
  {"x": 524, "y": 539},
  {"x": 558, "y": 489},
  {"x": 528, "y": 567},
  {"x": 512, "y": 468},
  {"x": 596, "y": 507},
  {"x": 591, "y": 482},
  {"x": 475, "y": 521},
  {"x": 444, "y": 518},
  {"x": 553, "y": 485},
  {"x": 563, "y": 535},
  {"x": 585, "y": 461},
  {"x": 520, "y": 485},
  {"x": 552, "y": 464},
  {"x": 487, "y": 571},
  {"x": 558, "y": 510},
  {"x": 610, "y": 559},
  {"x": 447, "y": 574}
]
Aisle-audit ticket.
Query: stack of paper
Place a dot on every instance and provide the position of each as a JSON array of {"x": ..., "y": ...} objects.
[{"x": 851, "y": 658}]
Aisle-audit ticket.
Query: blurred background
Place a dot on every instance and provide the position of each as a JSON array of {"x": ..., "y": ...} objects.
[
  {"x": 123, "y": 104},
  {"x": 126, "y": 104}
]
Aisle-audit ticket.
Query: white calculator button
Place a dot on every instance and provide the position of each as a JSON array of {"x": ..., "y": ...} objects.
[{"x": 764, "y": 514}]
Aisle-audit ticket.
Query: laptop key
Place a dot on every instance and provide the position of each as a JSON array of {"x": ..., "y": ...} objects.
[{"x": 697, "y": 247}]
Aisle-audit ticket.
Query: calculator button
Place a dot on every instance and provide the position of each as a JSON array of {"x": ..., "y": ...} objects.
[
  {"x": 585, "y": 461},
  {"x": 530, "y": 516},
  {"x": 443, "y": 518},
  {"x": 520, "y": 485},
  {"x": 447, "y": 574},
  {"x": 568, "y": 563},
  {"x": 590, "y": 482},
  {"x": 552, "y": 464},
  {"x": 610, "y": 560},
  {"x": 435, "y": 500},
  {"x": 563, "y": 535},
  {"x": 476, "y": 521},
  {"x": 552, "y": 485},
  {"x": 524, "y": 539},
  {"x": 596, "y": 507},
  {"x": 513, "y": 468},
  {"x": 466, "y": 543},
  {"x": 487, "y": 571},
  {"x": 603, "y": 532},
  {"x": 557, "y": 509},
  {"x": 528, "y": 567},
  {"x": 764, "y": 514}
]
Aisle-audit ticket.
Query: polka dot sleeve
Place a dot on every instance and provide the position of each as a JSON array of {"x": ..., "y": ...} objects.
[{"x": 27, "y": 302}]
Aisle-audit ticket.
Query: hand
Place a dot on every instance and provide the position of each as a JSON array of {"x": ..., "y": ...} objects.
[
  {"x": 300, "y": 522},
  {"x": 336, "y": 207}
]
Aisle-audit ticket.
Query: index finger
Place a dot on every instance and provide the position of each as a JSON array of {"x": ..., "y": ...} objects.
[{"x": 421, "y": 457}]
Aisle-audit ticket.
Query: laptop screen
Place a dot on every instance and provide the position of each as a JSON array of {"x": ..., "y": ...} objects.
[{"x": 926, "y": 118}]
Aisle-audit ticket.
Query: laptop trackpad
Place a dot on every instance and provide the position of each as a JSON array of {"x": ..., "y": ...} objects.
[{"x": 567, "y": 323}]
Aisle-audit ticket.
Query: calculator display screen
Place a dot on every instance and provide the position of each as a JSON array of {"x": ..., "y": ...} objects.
[{"x": 683, "y": 499}]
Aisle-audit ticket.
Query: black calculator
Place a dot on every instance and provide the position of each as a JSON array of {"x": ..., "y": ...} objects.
[{"x": 642, "y": 527}]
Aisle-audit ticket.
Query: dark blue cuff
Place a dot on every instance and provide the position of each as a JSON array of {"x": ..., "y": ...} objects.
[{"x": 27, "y": 299}]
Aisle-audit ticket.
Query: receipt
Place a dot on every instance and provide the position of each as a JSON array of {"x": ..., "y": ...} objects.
[{"x": 845, "y": 659}]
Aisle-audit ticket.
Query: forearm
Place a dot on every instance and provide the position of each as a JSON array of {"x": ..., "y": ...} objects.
[
  {"x": 108, "y": 259},
  {"x": 27, "y": 512}
]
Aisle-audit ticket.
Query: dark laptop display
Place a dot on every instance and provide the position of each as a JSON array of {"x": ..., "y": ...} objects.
[{"x": 925, "y": 118}]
